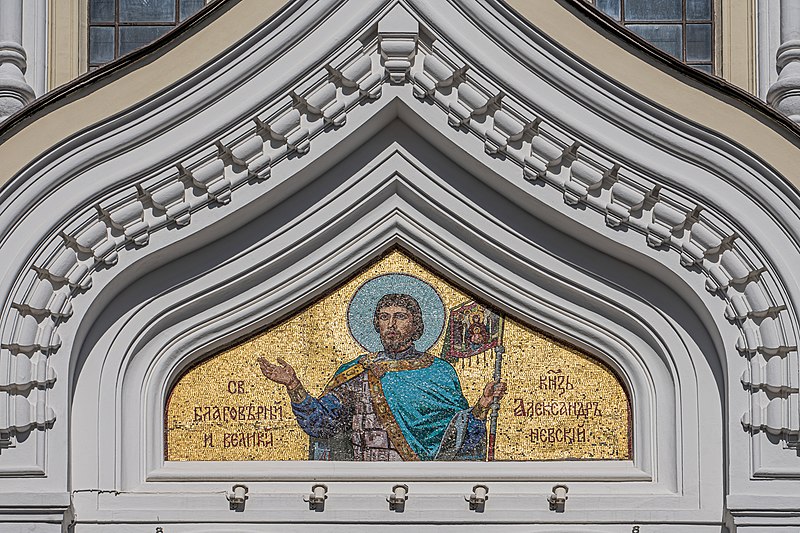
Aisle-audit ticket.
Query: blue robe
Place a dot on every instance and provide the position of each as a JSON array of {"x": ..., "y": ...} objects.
[{"x": 426, "y": 404}]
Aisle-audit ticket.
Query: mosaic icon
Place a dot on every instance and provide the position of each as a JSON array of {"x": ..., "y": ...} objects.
[
  {"x": 352, "y": 397},
  {"x": 396, "y": 402}
]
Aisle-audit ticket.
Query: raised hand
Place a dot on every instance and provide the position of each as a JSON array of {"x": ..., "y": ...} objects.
[
  {"x": 492, "y": 390},
  {"x": 282, "y": 372}
]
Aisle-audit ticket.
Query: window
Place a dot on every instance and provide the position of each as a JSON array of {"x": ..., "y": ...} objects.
[
  {"x": 117, "y": 27},
  {"x": 682, "y": 28}
]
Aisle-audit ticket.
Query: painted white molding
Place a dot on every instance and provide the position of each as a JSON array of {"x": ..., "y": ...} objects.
[
  {"x": 15, "y": 93},
  {"x": 584, "y": 175},
  {"x": 283, "y": 271},
  {"x": 610, "y": 222}
]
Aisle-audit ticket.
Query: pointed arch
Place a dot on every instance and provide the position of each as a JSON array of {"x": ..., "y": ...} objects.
[{"x": 476, "y": 142}]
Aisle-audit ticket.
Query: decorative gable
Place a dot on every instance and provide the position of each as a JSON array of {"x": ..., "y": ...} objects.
[{"x": 542, "y": 186}]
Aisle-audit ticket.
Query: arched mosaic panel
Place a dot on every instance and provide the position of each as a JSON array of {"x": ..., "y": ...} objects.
[{"x": 358, "y": 379}]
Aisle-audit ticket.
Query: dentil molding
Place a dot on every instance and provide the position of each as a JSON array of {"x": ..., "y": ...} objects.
[{"x": 403, "y": 50}]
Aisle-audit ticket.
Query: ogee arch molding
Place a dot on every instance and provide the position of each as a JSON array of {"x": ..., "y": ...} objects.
[{"x": 249, "y": 187}]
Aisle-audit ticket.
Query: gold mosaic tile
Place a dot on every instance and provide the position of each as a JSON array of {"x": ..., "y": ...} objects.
[{"x": 561, "y": 403}]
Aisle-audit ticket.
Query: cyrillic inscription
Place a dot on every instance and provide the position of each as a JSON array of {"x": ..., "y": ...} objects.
[
  {"x": 354, "y": 402},
  {"x": 228, "y": 413}
]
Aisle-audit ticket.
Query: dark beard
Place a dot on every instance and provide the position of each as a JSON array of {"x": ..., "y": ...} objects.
[{"x": 398, "y": 344}]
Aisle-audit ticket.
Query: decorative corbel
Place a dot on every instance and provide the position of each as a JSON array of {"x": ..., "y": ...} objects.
[{"x": 398, "y": 32}]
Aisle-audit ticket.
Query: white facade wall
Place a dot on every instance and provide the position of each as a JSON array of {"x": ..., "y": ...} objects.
[{"x": 479, "y": 144}]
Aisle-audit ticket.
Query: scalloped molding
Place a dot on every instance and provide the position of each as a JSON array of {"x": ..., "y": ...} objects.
[
  {"x": 560, "y": 144},
  {"x": 471, "y": 102}
]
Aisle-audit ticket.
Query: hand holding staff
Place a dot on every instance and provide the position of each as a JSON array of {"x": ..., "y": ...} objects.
[{"x": 494, "y": 390}]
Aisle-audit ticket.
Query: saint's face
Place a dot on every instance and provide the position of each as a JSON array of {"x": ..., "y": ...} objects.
[{"x": 396, "y": 328}]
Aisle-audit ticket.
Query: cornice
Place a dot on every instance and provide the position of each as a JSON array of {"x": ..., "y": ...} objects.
[
  {"x": 634, "y": 42},
  {"x": 79, "y": 87}
]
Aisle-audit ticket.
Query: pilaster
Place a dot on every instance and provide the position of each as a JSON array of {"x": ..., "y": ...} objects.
[{"x": 737, "y": 55}]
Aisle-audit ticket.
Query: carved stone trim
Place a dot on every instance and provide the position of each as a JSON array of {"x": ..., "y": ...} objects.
[{"x": 472, "y": 103}]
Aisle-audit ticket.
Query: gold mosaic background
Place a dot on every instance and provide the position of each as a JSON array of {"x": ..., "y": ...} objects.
[{"x": 225, "y": 410}]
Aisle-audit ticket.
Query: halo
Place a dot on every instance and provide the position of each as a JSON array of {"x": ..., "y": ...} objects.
[{"x": 361, "y": 310}]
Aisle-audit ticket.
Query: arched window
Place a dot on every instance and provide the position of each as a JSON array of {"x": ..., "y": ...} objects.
[
  {"x": 681, "y": 28},
  {"x": 117, "y": 27}
]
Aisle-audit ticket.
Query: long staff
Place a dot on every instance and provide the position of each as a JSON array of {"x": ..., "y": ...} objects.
[{"x": 499, "y": 350}]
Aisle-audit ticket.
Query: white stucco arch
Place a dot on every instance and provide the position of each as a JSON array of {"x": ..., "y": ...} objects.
[
  {"x": 453, "y": 130},
  {"x": 161, "y": 325}
]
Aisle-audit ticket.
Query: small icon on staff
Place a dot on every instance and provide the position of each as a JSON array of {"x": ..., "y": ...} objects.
[{"x": 474, "y": 329}]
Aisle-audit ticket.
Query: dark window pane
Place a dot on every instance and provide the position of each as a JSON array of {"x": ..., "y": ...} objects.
[
  {"x": 698, "y": 42},
  {"x": 667, "y": 37},
  {"x": 609, "y": 7},
  {"x": 704, "y": 68},
  {"x": 101, "y": 11},
  {"x": 101, "y": 45},
  {"x": 653, "y": 10},
  {"x": 190, "y": 7},
  {"x": 133, "y": 37},
  {"x": 147, "y": 10},
  {"x": 698, "y": 9}
]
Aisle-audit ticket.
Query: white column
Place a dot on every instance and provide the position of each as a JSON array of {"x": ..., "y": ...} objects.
[
  {"x": 34, "y": 41},
  {"x": 784, "y": 95},
  {"x": 15, "y": 93}
]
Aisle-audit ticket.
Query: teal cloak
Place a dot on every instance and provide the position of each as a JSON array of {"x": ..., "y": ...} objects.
[{"x": 423, "y": 403}]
